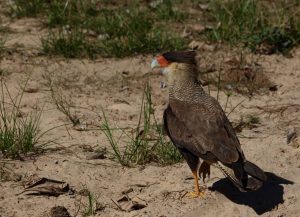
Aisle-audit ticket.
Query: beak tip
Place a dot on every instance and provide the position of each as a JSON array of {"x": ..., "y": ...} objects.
[{"x": 154, "y": 64}]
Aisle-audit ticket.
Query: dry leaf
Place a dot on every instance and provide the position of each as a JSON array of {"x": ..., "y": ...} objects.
[
  {"x": 45, "y": 186},
  {"x": 127, "y": 204}
]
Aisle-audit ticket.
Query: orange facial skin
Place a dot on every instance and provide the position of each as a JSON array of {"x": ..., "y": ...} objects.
[{"x": 162, "y": 61}]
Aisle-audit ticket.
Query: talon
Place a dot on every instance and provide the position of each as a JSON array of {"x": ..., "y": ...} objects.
[
  {"x": 197, "y": 193},
  {"x": 194, "y": 194}
]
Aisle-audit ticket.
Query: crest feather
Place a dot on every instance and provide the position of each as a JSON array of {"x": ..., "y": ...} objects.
[{"x": 181, "y": 57}]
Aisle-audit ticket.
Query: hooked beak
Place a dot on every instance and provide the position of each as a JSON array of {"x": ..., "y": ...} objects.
[{"x": 154, "y": 64}]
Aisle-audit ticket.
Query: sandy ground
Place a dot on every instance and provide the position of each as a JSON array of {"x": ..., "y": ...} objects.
[{"x": 117, "y": 87}]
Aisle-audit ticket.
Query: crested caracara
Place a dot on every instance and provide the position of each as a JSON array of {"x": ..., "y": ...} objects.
[{"x": 199, "y": 128}]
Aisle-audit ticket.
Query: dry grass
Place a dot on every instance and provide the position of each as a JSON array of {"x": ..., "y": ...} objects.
[
  {"x": 237, "y": 71},
  {"x": 20, "y": 135}
]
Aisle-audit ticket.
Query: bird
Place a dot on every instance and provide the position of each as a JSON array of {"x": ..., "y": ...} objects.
[{"x": 199, "y": 128}]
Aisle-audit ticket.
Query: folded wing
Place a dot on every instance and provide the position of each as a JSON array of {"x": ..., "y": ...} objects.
[{"x": 202, "y": 129}]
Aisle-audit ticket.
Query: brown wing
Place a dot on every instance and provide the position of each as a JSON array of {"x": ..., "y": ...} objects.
[{"x": 202, "y": 128}]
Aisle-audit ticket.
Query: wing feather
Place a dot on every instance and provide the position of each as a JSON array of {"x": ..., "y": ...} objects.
[{"x": 202, "y": 128}]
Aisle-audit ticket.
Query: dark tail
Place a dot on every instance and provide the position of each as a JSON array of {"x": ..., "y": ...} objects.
[{"x": 245, "y": 175}]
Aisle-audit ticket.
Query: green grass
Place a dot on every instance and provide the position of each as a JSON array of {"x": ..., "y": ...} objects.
[
  {"x": 235, "y": 19},
  {"x": 73, "y": 13},
  {"x": 249, "y": 121},
  {"x": 19, "y": 135},
  {"x": 120, "y": 33},
  {"x": 2, "y": 46},
  {"x": 132, "y": 32},
  {"x": 91, "y": 206},
  {"x": 256, "y": 23},
  {"x": 81, "y": 28},
  {"x": 252, "y": 119},
  {"x": 26, "y": 8},
  {"x": 102, "y": 28},
  {"x": 145, "y": 143},
  {"x": 166, "y": 12},
  {"x": 69, "y": 44}
]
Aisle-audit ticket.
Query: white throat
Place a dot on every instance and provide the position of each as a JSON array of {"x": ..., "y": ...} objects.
[{"x": 165, "y": 71}]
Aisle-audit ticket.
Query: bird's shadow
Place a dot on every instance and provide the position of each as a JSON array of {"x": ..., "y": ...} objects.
[{"x": 262, "y": 200}]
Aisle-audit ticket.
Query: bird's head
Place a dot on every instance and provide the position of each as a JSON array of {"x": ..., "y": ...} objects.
[{"x": 176, "y": 65}]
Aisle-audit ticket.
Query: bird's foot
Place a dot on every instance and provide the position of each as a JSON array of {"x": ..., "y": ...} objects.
[
  {"x": 195, "y": 194},
  {"x": 204, "y": 170}
]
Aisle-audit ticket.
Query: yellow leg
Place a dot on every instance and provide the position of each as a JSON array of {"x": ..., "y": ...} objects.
[{"x": 197, "y": 192}]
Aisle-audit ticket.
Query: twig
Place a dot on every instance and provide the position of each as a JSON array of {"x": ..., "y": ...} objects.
[
  {"x": 145, "y": 185},
  {"x": 235, "y": 107},
  {"x": 117, "y": 204}
]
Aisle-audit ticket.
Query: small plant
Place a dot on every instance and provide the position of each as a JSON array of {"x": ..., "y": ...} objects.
[
  {"x": 146, "y": 143},
  {"x": 64, "y": 106},
  {"x": 18, "y": 135},
  {"x": 92, "y": 206},
  {"x": 250, "y": 121}
]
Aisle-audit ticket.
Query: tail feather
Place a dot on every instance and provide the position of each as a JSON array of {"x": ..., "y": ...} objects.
[
  {"x": 246, "y": 176},
  {"x": 254, "y": 171}
]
